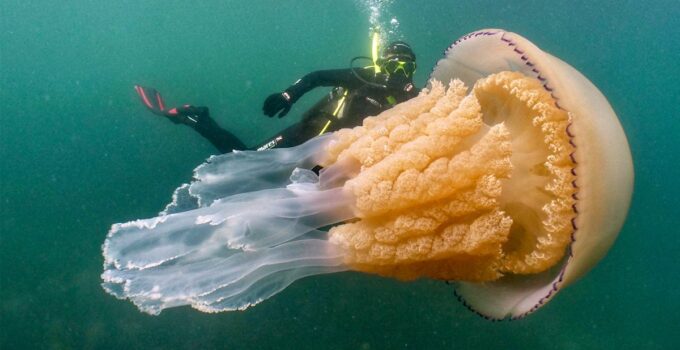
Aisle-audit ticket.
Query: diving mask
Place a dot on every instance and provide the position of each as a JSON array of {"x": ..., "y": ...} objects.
[{"x": 394, "y": 65}]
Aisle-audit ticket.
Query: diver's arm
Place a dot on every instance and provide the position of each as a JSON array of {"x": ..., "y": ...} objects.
[
  {"x": 280, "y": 103},
  {"x": 332, "y": 77}
]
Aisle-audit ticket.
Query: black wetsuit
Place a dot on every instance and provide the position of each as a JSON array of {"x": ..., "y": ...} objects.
[
  {"x": 360, "y": 100},
  {"x": 199, "y": 119}
]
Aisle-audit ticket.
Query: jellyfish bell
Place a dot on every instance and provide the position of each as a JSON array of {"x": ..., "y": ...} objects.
[
  {"x": 603, "y": 168},
  {"x": 493, "y": 187}
]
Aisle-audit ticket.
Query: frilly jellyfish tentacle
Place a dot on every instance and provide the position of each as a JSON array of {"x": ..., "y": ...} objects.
[
  {"x": 231, "y": 252},
  {"x": 243, "y": 172},
  {"x": 218, "y": 279},
  {"x": 314, "y": 256},
  {"x": 251, "y": 221}
]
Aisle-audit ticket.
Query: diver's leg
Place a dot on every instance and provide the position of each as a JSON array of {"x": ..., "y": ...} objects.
[
  {"x": 299, "y": 133},
  {"x": 293, "y": 135},
  {"x": 199, "y": 119},
  {"x": 281, "y": 139},
  {"x": 196, "y": 117}
]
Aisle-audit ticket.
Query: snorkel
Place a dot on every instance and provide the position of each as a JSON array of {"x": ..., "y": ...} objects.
[
  {"x": 375, "y": 43},
  {"x": 375, "y": 59}
]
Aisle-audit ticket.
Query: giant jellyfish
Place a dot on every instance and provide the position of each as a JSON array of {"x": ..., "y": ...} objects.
[{"x": 509, "y": 175}]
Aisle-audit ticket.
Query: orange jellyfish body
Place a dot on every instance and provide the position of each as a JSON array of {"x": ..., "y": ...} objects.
[{"x": 473, "y": 187}]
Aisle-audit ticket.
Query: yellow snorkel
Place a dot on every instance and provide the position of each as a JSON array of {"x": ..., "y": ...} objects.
[
  {"x": 375, "y": 58},
  {"x": 375, "y": 50}
]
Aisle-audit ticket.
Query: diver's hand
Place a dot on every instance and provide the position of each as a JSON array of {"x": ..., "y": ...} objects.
[{"x": 277, "y": 103}]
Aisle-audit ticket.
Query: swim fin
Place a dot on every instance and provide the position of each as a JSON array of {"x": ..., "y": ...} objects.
[{"x": 152, "y": 99}]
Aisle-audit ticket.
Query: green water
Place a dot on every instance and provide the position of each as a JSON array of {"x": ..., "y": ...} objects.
[{"x": 78, "y": 152}]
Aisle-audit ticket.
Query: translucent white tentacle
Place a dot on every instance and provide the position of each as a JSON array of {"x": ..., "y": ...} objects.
[{"x": 218, "y": 248}]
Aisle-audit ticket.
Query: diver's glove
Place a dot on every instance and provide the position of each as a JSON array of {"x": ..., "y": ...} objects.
[{"x": 277, "y": 103}]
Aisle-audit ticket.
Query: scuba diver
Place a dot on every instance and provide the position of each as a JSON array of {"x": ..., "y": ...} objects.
[{"x": 357, "y": 93}]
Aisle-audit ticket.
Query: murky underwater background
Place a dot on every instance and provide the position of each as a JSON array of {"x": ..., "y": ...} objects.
[{"x": 78, "y": 152}]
